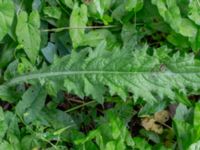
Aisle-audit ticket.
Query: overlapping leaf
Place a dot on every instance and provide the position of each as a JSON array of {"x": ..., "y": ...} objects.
[
  {"x": 122, "y": 71},
  {"x": 28, "y": 33},
  {"x": 6, "y": 15}
]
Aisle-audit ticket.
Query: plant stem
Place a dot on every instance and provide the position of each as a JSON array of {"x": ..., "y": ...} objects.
[
  {"x": 87, "y": 27},
  {"x": 79, "y": 106}
]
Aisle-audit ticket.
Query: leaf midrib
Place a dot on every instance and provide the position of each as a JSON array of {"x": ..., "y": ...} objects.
[{"x": 33, "y": 76}]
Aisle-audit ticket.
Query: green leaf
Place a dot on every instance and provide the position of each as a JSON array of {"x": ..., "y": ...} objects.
[
  {"x": 94, "y": 37},
  {"x": 58, "y": 119},
  {"x": 52, "y": 12},
  {"x": 194, "y": 12},
  {"x": 141, "y": 144},
  {"x": 3, "y": 125},
  {"x": 150, "y": 109},
  {"x": 182, "y": 113},
  {"x": 185, "y": 134},
  {"x": 8, "y": 94},
  {"x": 170, "y": 12},
  {"x": 6, "y": 145},
  {"x": 195, "y": 146},
  {"x": 28, "y": 33},
  {"x": 31, "y": 104},
  {"x": 111, "y": 145},
  {"x": 178, "y": 40},
  {"x": 78, "y": 19},
  {"x": 49, "y": 52},
  {"x": 6, "y": 15},
  {"x": 29, "y": 142},
  {"x": 99, "y": 7},
  {"x": 129, "y": 36},
  {"x": 197, "y": 115},
  {"x": 68, "y": 3},
  {"x": 143, "y": 75},
  {"x": 135, "y": 5}
]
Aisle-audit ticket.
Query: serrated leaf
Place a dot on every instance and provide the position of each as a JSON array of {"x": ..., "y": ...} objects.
[
  {"x": 6, "y": 15},
  {"x": 28, "y": 33},
  {"x": 122, "y": 71},
  {"x": 31, "y": 104}
]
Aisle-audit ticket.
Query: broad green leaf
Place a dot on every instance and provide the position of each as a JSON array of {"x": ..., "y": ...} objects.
[
  {"x": 195, "y": 146},
  {"x": 52, "y": 12},
  {"x": 58, "y": 119},
  {"x": 29, "y": 142},
  {"x": 187, "y": 28},
  {"x": 31, "y": 104},
  {"x": 121, "y": 71},
  {"x": 170, "y": 12},
  {"x": 14, "y": 141},
  {"x": 6, "y": 146},
  {"x": 6, "y": 54},
  {"x": 94, "y": 37},
  {"x": 3, "y": 125},
  {"x": 8, "y": 94},
  {"x": 68, "y": 3},
  {"x": 178, "y": 40},
  {"x": 149, "y": 109},
  {"x": 36, "y": 5},
  {"x": 182, "y": 113},
  {"x": 49, "y": 52},
  {"x": 194, "y": 11},
  {"x": 135, "y": 5},
  {"x": 28, "y": 33},
  {"x": 111, "y": 145},
  {"x": 99, "y": 7},
  {"x": 129, "y": 36},
  {"x": 6, "y": 15},
  {"x": 119, "y": 12},
  {"x": 78, "y": 21},
  {"x": 185, "y": 134},
  {"x": 197, "y": 115},
  {"x": 141, "y": 144}
]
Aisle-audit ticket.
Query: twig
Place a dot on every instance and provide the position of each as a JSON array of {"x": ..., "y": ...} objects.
[
  {"x": 87, "y": 27},
  {"x": 79, "y": 106},
  {"x": 75, "y": 100}
]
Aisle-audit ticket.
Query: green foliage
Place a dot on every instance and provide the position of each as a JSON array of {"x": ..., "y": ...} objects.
[
  {"x": 99, "y": 74},
  {"x": 28, "y": 34},
  {"x": 7, "y": 15},
  {"x": 87, "y": 72},
  {"x": 78, "y": 19}
]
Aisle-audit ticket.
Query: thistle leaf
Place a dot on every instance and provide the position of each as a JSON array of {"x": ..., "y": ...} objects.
[{"x": 123, "y": 71}]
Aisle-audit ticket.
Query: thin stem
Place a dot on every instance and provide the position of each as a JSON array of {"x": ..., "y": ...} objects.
[
  {"x": 87, "y": 27},
  {"x": 164, "y": 124},
  {"x": 79, "y": 106}
]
